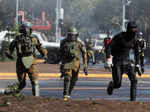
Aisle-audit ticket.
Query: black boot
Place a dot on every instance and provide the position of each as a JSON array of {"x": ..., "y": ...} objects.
[
  {"x": 110, "y": 88},
  {"x": 133, "y": 92},
  {"x": 71, "y": 86},
  {"x": 66, "y": 85}
]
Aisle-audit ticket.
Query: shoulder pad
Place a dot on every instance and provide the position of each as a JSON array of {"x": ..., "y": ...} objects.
[{"x": 79, "y": 40}]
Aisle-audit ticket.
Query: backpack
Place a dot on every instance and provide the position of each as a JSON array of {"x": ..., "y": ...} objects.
[{"x": 25, "y": 45}]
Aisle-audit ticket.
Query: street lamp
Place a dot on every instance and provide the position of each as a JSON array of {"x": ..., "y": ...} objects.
[
  {"x": 124, "y": 20},
  {"x": 17, "y": 8},
  {"x": 59, "y": 19}
]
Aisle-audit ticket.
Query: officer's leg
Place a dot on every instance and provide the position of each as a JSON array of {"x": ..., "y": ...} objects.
[
  {"x": 117, "y": 78},
  {"x": 21, "y": 75},
  {"x": 33, "y": 75},
  {"x": 67, "y": 79},
  {"x": 93, "y": 57},
  {"x": 73, "y": 80},
  {"x": 132, "y": 77},
  {"x": 88, "y": 58},
  {"x": 142, "y": 62},
  {"x": 17, "y": 88},
  {"x": 105, "y": 60},
  {"x": 107, "y": 54},
  {"x": 22, "y": 82},
  {"x": 35, "y": 88}
]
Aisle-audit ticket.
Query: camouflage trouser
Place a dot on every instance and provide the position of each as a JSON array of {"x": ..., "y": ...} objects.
[
  {"x": 70, "y": 78},
  {"x": 21, "y": 75},
  {"x": 90, "y": 55}
]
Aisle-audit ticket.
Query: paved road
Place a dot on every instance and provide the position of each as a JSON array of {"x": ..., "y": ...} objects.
[{"x": 88, "y": 89}]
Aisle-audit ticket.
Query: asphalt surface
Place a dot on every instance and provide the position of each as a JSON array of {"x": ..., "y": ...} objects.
[{"x": 87, "y": 88}]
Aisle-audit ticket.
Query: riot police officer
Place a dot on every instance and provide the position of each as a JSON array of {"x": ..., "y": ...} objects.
[
  {"x": 141, "y": 44},
  {"x": 90, "y": 51},
  {"x": 70, "y": 50},
  {"x": 25, "y": 45},
  {"x": 121, "y": 45}
]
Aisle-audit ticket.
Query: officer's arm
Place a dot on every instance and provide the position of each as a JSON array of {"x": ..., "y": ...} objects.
[
  {"x": 9, "y": 52},
  {"x": 12, "y": 46},
  {"x": 137, "y": 59},
  {"x": 39, "y": 47},
  {"x": 144, "y": 47},
  {"x": 84, "y": 52},
  {"x": 136, "y": 53}
]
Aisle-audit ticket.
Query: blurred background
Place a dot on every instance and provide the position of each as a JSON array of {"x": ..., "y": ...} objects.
[{"x": 94, "y": 19}]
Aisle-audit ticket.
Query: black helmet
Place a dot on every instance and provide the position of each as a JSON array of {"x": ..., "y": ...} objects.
[
  {"x": 25, "y": 28},
  {"x": 72, "y": 33},
  {"x": 130, "y": 25}
]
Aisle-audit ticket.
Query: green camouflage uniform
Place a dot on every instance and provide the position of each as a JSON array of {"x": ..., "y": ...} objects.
[
  {"x": 70, "y": 62},
  {"x": 90, "y": 52},
  {"x": 26, "y": 63}
]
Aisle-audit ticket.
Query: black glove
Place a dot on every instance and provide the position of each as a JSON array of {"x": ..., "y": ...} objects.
[
  {"x": 138, "y": 70},
  {"x": 9, "y": 56}
]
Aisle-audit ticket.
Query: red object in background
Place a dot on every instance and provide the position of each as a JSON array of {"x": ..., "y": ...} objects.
[
  {"x": 46, "y": 26},
  {"x": 43, "y": 16},
  {"x": 42, "y": 25},
  {"x": 39, "y": 25},
  {"x": 21, "y": 13}
]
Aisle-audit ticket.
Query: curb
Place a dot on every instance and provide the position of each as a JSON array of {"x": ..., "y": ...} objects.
[{"x": 81, "y": 75}]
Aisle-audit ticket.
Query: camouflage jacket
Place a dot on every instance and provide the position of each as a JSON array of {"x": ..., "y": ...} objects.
[
  {"x": 72, "y": 62},
  {"x": 89, "y": 46},
  {"x": 36, "y": 45}
]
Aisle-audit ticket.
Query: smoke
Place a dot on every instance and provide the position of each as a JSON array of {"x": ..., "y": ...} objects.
[
  {"x": 37, "y": 6},
  {"x": 86, "y": 15}
]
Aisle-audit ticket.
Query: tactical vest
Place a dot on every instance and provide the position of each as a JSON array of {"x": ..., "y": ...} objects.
[
  {"x": 25, "y": 45},
  {"x": 71, "y": 50}
]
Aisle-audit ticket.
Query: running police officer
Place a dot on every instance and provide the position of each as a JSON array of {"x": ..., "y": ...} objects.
[
  {"x": 25, "y": 45},
  {"x": 121, "y": 45},
  {"x": 141, "y": 44},
  {"x": 70, "y": 50},
  {"x": 90, "y": 51}
]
